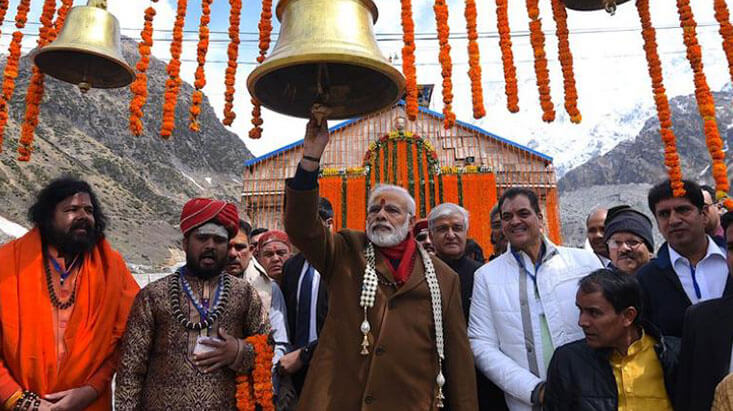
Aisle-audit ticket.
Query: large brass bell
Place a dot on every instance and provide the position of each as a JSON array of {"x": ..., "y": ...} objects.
[
  {"x": 326, "y": 53},
  {"x": 87, "y": 52},
  {"x": 587, "y": 5}
]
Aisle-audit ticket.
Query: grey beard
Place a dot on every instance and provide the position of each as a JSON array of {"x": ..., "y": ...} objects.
[{"x": 391, "y": 239}]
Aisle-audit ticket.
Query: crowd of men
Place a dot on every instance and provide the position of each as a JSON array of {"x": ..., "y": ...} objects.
[{"x": 405, "y": 315}]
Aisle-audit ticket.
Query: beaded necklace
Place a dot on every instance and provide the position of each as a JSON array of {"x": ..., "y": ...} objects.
[
  {"x": 52, "y": 292},
  {"x": 208, "y": 316},
  {"x": 369, "y": 292}
]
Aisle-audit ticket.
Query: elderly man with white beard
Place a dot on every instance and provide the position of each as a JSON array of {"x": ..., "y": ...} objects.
[{"x": 394, "y": 337}]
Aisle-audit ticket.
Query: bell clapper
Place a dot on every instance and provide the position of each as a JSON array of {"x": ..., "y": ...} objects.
[
  {"x": 84, "y": 85},
  {"x": 610, "y": 6}
]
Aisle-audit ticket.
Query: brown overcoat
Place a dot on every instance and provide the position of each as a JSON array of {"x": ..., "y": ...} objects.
[{"x": 400, "y": 371}]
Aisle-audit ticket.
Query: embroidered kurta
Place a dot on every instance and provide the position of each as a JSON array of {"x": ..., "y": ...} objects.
[{"x": 156, "y": 355}]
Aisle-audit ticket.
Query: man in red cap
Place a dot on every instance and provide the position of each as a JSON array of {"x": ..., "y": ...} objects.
[
  {"x": 422, "y": 235},
  {"x": 274, "y": 249},
  {"x": 184, "y": 345}
]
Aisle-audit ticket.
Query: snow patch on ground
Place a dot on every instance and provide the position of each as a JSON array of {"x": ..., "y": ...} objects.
[
  {"x": 12, "y": 229},
  {"x": 192, "y": 180}
]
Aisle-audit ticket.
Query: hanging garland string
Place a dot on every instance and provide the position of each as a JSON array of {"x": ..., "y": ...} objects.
[
  {"x": 408, "y": 59},
  {"x": 726, "y": 31},
  {"x": 34, "y": 94},
  {"x": 230, "y": 74},
  {"x": 200, "y": 77},
  {"x": 139, "y": 87},
  {"x": 671, "y": 158},
  {"x": 537, "y": 38},
  {"x": 66, "y": 5},
  {"x": 560, "y": 15},
  {"x": 705, "y": 101},
  {"x": 507, "y": 57},
  {"x": 474, "y": 61},
  {"x": 441, "y": 19},
  {"x": 11, "y": 66},
  {"x": 256, "y": 388},
  {"x": 173, "y": 83},
  {"x": 344, "y": 201},
  {"x": 265, "y": 27}
]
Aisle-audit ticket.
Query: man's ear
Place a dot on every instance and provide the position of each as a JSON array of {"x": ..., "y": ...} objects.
[
  {"x": 630, "y": 314},
  {"x": 412, "y": 222}
]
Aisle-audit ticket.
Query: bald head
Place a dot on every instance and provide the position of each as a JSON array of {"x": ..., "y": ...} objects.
[{"x": 594, "y": 225}]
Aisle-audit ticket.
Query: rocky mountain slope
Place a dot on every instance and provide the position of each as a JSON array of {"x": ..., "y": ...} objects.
[{"x": 142, "y": 181}]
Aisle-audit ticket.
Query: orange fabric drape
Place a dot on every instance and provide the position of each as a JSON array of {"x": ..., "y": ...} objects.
[
  {"x": 104, "y": 296},
  {"x": 479, "y": 196},
  {"x": 330, "y": 188},
  {"x": 553, "y": 217}
]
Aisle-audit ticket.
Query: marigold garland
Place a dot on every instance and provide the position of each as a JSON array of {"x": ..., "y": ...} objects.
[
  {"x": 441, "y": 19},
  {"x": 537, "y": 38},
  {"x": 474, "y": 61},
  {"x": 726, "y": 31},
  {"x": 203, "y": 47},
  {"x": 408, "y": 60},
  {"x": 256, "y": 387},
  {"x": 66, "y": 5},
  {"x": 230, "y": 74},
  {"x": 34, "y": 94},
  {"x": 705, "y": 101},
  {"x": 671, "y": 158},
  {"x": 173, "y": 83},
  {"x": 10, "y": 72},
  {"x": 560, "y": 15},
  {"x": 265, "y": 26},
  {"x": 139, "y": 87},
  {"x": 507, "y": 57}
]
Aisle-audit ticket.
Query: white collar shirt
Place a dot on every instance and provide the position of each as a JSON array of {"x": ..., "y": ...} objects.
[
  {"x": 707, "y": 279},
  {"x": 312, "y": 333}
]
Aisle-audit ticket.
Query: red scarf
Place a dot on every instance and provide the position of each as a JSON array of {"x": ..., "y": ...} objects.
[{"x": 403, "y": 252}]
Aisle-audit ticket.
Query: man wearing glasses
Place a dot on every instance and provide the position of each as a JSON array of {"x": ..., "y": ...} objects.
[{"x": 628, "y": 235}]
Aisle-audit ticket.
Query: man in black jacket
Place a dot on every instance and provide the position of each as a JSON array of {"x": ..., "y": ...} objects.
[
  {"x": 621, "y": 364},
  {"x": 448, "y": 226},
  {"x": 690, "y": 267},
  {"x": 707, "y": 338},
  {"x": 307, "y": 306}
]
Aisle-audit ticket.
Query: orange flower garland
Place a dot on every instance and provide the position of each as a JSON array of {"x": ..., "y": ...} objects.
[
  {"x": 265, "y": 27},
  {"x": 566, "y": 60},
  {"x": 173, "y": 83},
  {"x": 34, "y": 94},
  {"x": 230, "y": 74},
  {"x": 257, "y": 387},
  {"x": 11, "y": 66},
  {"x": 537, "y": 38},
  {"x": 408, "y": 60},
  {"x": 726, "y": 31},
  {"x": 203, "y": 47},
  {"x": 61, "y": 16},
  {"x": 507, "y": 57},
  {"x": 705, "y": 101},
  {"x": 441, "y": 19},
  {"x": 139, "y": 87},
  {"x": 671, "y": 158},
  {"x": 474, "y": 61}
]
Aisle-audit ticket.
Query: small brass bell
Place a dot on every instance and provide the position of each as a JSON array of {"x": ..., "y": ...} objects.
[
  {"x": 588, "y": 5},
  {"x": 326, "y": 54},
  {"x": 87, "y": 52}
]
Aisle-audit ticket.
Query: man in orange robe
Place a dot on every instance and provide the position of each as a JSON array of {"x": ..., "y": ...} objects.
[{"x": 64, "y": 299}]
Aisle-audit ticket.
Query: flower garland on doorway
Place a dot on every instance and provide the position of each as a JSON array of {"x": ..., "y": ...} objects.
[
  {"x": 671, "y": 158},
  {"x": 441, "y": 19},
  {"x": 560, "y": 16},
  {"x": 230, "y": 74},
  {"x": 265, "y": 27},
  {"x": 507, "y": 57},
  {"x": 474, "y": 61},
  {"x": 408, "y": 60},
  {"x": 537, "y": 38},
  {"x": 11, "y": 65},
  {"x": 200, "y": 82},
  {"x": 139, "y": 87},
  {"x": 173, "y": 83},
  {"x": 705, "y": 101}
]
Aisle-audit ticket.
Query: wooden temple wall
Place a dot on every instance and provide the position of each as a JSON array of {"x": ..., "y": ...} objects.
[{"x": 263, "y": 182}]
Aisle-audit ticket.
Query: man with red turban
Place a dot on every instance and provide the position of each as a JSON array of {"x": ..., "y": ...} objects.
[{"x": 184, "y": 345}]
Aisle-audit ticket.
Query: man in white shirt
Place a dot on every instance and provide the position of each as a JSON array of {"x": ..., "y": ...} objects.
[
  {"x": 523, "y": 303},
  {"x": 690, "y": 267}
]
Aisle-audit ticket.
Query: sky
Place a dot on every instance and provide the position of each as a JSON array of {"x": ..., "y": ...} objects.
[{"x": 609, "y": 59}]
